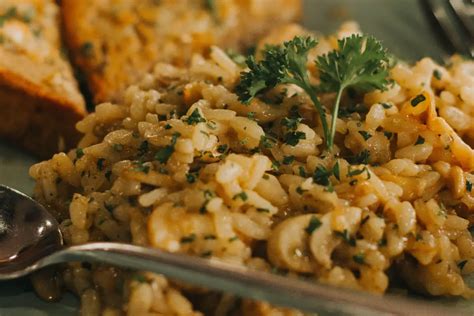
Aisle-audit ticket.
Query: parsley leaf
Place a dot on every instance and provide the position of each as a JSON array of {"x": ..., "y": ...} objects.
[
  {"x": 195, "y": 118},
  {"x": 281, "y": 64},
  {"x": 293, "y": 138},
  {"x": 360, "y": 63},
  {"x": 164, "y": 154},
  {"x": 314, "y": 223}
]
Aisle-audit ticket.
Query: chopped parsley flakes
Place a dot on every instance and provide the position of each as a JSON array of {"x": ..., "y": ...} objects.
[
  {"x": 417, "y": 100},
  {"x": 164, "y": 154},
  {"x": 195, "y": 118},
  {"x": 314, "y": 223}
]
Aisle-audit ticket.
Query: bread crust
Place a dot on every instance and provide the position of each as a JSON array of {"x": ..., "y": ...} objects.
[{"x": 39, "y": 101}]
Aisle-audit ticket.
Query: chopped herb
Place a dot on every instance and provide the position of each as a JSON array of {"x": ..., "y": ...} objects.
[
  {"x": 468, "y": 186},
  {"x": 242, "y": 195},
  {"x": 360, "y": 158},
  {"x": 267, "y": 142},
  {"x": 9, "y": 14},
  {"x": 195, "y": 118},
  {"x": 293, "y": 138},
  {"x": 276, "y": 165},
  {"x": 314, "y": 223},
  {"x": 211, "y": 125},
  {"x": 335, "y": 170},
  {"x": 233, "y": 238},
  {"x": 87, "y": 49},
  {"x": 143, "y": 148},
  {"x": 365, "y": 135},
  {"x": 461, "y": 264},
  {"x": 251, "y": 116},
  {"x": 356, "y": 172},
  {"x": 383, "y": 242},
  {"x": 360, "y": 62},
  {"x": 386, "y": 106},
  {"x": 108, "y": 174},
  {"x": 208, "y": 194},
  {"x": 359, "y": 258},
  {"x": 291, "y": 123},
  {"x": 236, "y": 57},
  {"x": 139, "y": 278},
  {"x": 188, "y": 239},
  {"x": 417, "y": 100},
  {"x": 168, "y": 126},
  {"x": 288, "y": 160},
  {"x": 79, "y": 153},
  {"x": 164, "y": 154},
  {"x": 302, "y": 172},
  {"x": 222, "y": 148},
  {"x": 352, "y": 182},
  {"x": 263, "y": 210},
  {"x": 211, "y": 6},
  {"x": 418, "y": 237},
  {"x": 266, "y": 176},
  {"x": 346, "y": 237},
  {"x": 437, "y": 74},
  {"x": 300, "y": 190},
  {"x": 388, "y": 134},
  {"x": 420, "y": 140},
  {"x": 321, "y": 175},
  {"x": 100, "y": 164},
  {"x": 117, "y": 147},
  {"x": 190, "y": 177}
]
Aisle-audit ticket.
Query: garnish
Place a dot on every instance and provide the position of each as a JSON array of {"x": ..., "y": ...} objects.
[
  {"x": 281, "y": 64},
  {"x": 267, "y": 141},
  {"x": 417, "y": 100},
  {"x": 365, "y": 135},
  {"x": 420, "y": 140},
  {"x": 293, "y": 138},
  {"x": 242, "y": 195},
  {"x": 79, "y": 153},
  {"x": 164, "y": 154},
  {"x": 468, "y": 186},
  {"x": 359, "y": 258},
  {"x": 195, "y": 118},
  {"x": 288, "y": 160},
  {"x": 188, "y": 239},
  {"x": 239, "y": 59},
  {"x": 361, "y": 63},
  {"x": 314, "y": 223}
]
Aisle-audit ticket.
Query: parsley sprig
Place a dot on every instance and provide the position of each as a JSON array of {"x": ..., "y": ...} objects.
[
  {"x": 282, "y": 64},
  {"x": 360, "y": 63}
]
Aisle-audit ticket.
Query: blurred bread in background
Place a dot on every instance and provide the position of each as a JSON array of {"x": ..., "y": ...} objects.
[
  {"x": 39, "y": 97},
  {"x": 115, "y": 42}
]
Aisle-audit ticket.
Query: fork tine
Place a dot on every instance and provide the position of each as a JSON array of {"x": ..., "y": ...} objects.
[
  {"x": 437, "y": 11},
  {"x": 463, "y": 15}
]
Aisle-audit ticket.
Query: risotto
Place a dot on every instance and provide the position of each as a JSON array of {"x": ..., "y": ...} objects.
[{"x": 182, "y": 165}]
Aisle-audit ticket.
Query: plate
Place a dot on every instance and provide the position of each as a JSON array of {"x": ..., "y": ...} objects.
[{"x": 400, "y": 24}]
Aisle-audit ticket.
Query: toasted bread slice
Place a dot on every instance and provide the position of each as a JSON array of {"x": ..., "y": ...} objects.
[
  {"x": 115, "y": 42},
  {"x": 39, "y": 99}
]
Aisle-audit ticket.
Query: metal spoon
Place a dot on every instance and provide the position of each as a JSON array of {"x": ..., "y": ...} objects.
[{"x": 30, "y": 239}]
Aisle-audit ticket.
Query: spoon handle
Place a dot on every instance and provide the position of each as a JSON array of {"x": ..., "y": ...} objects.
[{"x": 311, "y": 297}]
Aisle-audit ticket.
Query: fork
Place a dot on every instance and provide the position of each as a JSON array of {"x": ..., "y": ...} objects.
[{"x": 455, "y": 23}]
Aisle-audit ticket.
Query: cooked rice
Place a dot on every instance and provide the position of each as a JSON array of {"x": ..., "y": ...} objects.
[{"x": 222, "y": 194}]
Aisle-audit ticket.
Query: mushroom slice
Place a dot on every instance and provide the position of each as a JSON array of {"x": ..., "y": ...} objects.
[
  {"x": 323, "y": 242},
  {"x": 288, "y": 245}
]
